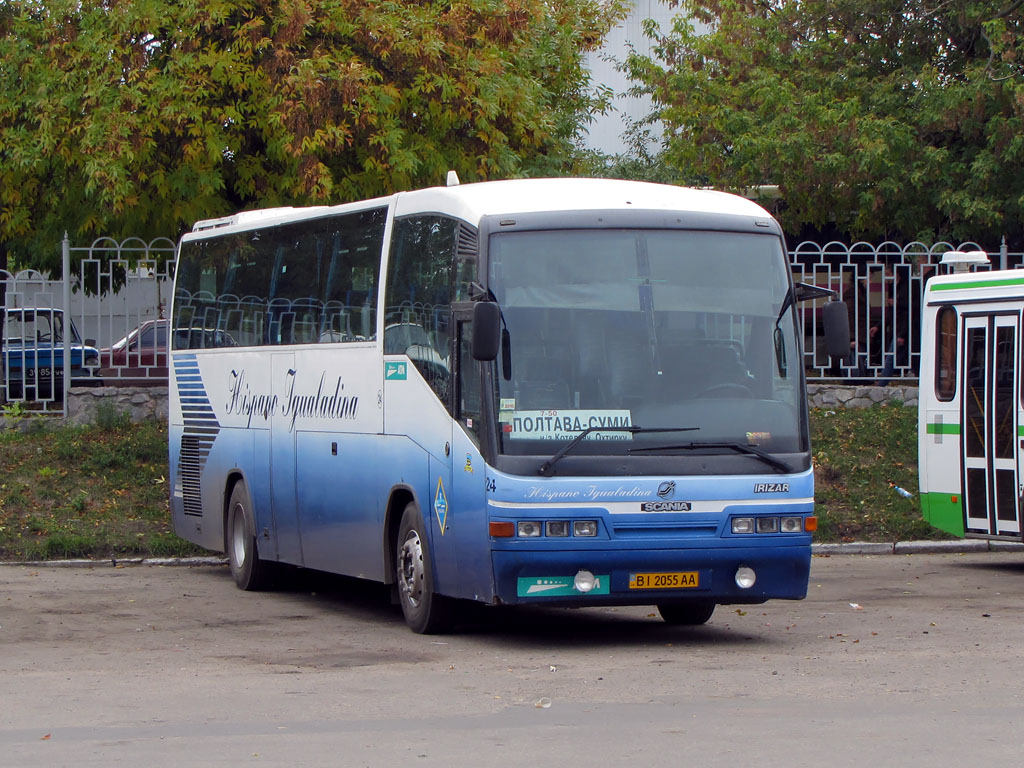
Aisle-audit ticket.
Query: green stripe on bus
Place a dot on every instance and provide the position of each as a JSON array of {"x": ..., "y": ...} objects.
[
  {"x": 943, "y": 513},
  {"x": 942, "y": 428},
  {"x": 979, "y": 284}
]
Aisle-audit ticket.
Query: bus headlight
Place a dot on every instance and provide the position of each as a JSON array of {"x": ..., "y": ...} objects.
[
  {"x": 528, "y": 529},
  {"x": 584, "y": 527},
  {"x": 556, "y": 528},
  {"x": 791, "y": 525},
  {"x": 743, "y": 525}
]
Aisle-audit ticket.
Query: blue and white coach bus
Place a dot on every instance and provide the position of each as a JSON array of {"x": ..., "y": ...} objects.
[{"x": 562, "y": 391}]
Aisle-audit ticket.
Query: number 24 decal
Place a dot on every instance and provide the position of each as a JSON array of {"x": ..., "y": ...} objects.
[{"x": 489, "y": 485}]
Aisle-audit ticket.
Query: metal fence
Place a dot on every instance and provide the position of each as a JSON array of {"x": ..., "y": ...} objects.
[
  {"x": 882, "y": 286},
  {"x": 98, "y": 325},
  {"x": 115, "y": 303}
]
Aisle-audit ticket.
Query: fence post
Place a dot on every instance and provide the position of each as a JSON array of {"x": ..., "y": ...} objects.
[
  {"x": 1003, "y": 252},
  {"x": 66, "y": 266}
]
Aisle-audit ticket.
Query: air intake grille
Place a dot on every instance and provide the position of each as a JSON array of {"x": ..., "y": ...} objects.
[
  {"x": 466, "y": 246},
  {"x": 201, "y": 429}
]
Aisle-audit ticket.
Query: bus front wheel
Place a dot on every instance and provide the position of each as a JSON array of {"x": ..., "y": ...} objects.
[
  {"x": 250, "y": 572},
  {"x": 425, "y": 612},
  {"x": 687, "y": 614}
]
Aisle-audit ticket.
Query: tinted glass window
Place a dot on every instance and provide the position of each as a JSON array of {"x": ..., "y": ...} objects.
[
  {"x": 307, "y": 282},
  {"x": 419, "y": 296},
  {"x": 945, "y": 353}
]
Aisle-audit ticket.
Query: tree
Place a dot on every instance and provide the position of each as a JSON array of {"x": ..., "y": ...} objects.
[
  {"x": 882, "y": 118},
  {"x": 138, "y": 117}
]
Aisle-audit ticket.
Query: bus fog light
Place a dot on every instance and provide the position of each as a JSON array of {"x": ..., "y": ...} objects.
[
  {"x": 767, "y": 524},
  {"x": 528, "y": 529},
  {"x": 584, "y": 527},
  {"x": 556, "y": 528},
  {"x": 792, "y": 524},
  {"x": 745, "y": 577},
  {"x": 743, "y": 525},
  {"x": 584, "y": 581}
]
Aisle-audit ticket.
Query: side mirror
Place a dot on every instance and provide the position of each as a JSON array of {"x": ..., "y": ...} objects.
[
  {"x": 837, "y": 328},
  {"x": 486, "y": 330}
]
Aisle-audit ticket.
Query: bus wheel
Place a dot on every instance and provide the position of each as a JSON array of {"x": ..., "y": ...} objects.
[
  {"x": 686, "y": 614},
  {"x": 250, "y": 572},
  {"x": 425, "y": 612}
]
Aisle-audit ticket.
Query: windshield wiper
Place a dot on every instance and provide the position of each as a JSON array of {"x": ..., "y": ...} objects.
[
  {"x": 547, "y": 467},
  {"x": 750, "y": 450}
]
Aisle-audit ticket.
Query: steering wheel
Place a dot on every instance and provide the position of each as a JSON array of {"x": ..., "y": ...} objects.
[{"x": 728, "y": 389}]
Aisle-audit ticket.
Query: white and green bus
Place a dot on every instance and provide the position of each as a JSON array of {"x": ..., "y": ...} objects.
[{"x": 971, "y": 406}]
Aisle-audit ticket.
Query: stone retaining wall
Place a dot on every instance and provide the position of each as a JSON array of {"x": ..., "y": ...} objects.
[
  {"x": 850, "y": 396},
  {"x": 140, "y": 403}
]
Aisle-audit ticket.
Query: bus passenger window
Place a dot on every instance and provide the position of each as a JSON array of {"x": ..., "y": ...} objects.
[{"x": 945, "y": 354}]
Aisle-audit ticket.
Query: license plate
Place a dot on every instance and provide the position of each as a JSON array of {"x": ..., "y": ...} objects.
[{"x": 678, "y": 580}]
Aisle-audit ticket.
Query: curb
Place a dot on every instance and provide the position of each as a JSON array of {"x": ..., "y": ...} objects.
[
  {"x": 119, "y": 562},
  {"x": 955, "y": 547}
]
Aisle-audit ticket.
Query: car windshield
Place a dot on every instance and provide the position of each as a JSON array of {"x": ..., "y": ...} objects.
[
  {"x": 32, "y": 327},
  {"x": 648, "y": 328}
]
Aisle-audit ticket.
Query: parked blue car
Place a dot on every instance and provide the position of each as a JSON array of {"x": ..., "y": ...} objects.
[{"x": 33, "y": 355}]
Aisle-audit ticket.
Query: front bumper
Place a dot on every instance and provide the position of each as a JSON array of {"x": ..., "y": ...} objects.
[{"x": 533, "y": 577}]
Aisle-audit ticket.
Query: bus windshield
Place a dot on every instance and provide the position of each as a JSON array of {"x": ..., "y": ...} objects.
[{"x": 646, "y": 328}]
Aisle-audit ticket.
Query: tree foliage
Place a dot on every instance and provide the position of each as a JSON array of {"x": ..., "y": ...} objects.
[
  {"x": 883, "y": 118},
  {"x": 138, "y": 117}
]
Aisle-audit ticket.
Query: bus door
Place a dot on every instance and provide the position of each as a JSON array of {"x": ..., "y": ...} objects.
[
  {"x": 989, "y": 418},
  {"x": 458, "y": 502},
  {"x": 282, "y": 467}
]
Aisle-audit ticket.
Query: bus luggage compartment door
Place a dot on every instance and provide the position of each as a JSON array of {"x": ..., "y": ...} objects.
[{"x": 282, "y": 472}]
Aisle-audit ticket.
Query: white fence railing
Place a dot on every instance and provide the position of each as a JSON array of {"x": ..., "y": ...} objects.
[
  {"x": 882, "y": 287},
  {"x": 116, "y": 300},
  {"x": 99, "y": 324}
]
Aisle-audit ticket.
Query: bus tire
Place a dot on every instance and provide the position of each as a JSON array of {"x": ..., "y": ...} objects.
[
  {"x": 425, "y": 612},
  {"x": 249, "y": 571},
  {"x": 688, "y": 614}
]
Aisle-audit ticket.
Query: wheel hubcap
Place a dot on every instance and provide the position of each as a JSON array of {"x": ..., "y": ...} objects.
[
  {"x": 410, "y": 568},
  {"x": 238, "y": 539}
]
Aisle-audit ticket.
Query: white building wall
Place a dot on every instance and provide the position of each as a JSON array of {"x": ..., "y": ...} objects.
[{"x": 606, "y": 132}]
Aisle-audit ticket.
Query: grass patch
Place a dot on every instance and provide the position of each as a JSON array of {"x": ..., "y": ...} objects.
[
  {"x": 102, "y": 491},
  {"x": 859, "y": 454},
  {"x": 94, "y": 492}
]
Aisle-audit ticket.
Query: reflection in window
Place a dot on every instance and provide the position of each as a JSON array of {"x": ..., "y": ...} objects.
[
  {"x": 945, "y": 354},
  {"x": 307, "y": 282},
  {"x": 425, "y": 251}
]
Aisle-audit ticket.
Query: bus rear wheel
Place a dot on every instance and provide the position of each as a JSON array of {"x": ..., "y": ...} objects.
[
  {"x": 687, "y": 614},
  {"x": 425, "y": 611},
  {"x": 250, "y": 572}
]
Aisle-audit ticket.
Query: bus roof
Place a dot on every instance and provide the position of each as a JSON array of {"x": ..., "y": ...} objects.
[
  {"x": 471, "y": 202},
  {"x": 1007, "y": 284}
]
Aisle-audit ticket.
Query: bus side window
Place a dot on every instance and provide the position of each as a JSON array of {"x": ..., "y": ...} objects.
[
  {"x": 348, "y": 277},
  {"x": 945, "y": 353}
]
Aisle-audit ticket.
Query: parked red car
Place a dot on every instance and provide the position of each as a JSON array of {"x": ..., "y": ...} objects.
[{"x": 140, "y": 358}]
